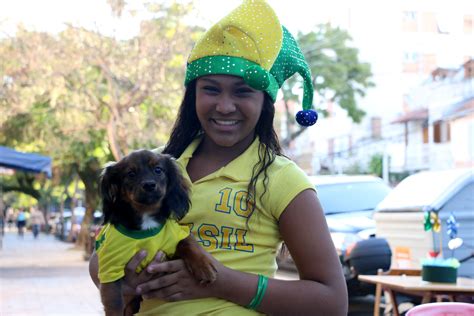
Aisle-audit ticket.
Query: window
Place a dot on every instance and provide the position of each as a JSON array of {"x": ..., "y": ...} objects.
[
  {"x": 441, "y": 133},
  {"x": 409, "y": 21},
  {"x": 376, "y": 127},
  {"x": 409, "y": 16},
  {"x": 411, "y": 57},
  {"x": 468, "y": 24},
  {"x": 351, "y": 196}
]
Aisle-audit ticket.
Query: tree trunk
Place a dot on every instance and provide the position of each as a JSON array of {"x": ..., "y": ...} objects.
[{"x": 89, "y": 175}]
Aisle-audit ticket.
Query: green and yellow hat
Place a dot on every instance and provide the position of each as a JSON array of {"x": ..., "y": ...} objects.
[{"x": 251, "y": 43}]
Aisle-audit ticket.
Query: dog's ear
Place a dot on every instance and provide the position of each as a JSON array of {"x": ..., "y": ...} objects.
[
  {"x": 108, "y": 189},
  {"x": 177, "y": 198}
]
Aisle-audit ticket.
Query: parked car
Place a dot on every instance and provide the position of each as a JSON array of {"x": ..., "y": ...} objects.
[
  {"x": 69, "y": 225},
  {"x": 400, "y": 217},
  {"x": 348, "y": 203}
]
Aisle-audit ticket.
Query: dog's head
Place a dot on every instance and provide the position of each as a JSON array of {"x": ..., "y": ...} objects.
[{"x": 147, "y": 183}]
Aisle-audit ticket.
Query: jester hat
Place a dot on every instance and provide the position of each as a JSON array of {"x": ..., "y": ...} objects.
[{"x": 251, "y": 43}]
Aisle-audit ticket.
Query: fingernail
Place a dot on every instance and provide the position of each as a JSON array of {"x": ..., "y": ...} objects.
[{"x": 139, "y": 290}]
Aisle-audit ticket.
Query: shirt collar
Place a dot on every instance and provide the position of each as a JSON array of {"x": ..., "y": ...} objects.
[{"x": 239, "y": 169}]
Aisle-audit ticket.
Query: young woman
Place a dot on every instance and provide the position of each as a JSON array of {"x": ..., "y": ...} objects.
[{"x": 246, "y": 196}]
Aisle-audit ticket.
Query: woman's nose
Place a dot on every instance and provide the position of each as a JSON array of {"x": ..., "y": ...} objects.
[{"x": 225, "y": 105}]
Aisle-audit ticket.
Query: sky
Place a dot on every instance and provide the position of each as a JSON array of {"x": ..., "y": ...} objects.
[
  {"x": 50, "y": 15},
  {"x": 296, "y": 15}
]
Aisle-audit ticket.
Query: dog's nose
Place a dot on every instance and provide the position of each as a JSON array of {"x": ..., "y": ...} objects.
[{"x": 149, "y": 186}]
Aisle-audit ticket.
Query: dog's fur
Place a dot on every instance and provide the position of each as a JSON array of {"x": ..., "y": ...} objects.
[{"x": 139, "y": 192}]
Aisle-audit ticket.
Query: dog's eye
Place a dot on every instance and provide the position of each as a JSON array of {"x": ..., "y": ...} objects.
[
  {"x": 131, "y": 174},
  {"x": 158, "y": 170}
]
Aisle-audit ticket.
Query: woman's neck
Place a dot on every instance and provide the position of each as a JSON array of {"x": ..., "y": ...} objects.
[
  {"x": 209, "y": 157},
  {"x": 213, "y": 151}
]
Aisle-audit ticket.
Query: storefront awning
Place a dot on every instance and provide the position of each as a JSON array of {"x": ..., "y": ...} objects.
[{"x": 10, "y": 158}]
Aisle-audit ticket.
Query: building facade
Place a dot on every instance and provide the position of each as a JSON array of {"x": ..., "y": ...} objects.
[{"x": 405, "y": 42}]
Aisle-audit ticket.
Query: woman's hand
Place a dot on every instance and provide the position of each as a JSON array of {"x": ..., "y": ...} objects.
[
  {"x": 132, "y": 279},
  {"x": 172, "y": 281}
]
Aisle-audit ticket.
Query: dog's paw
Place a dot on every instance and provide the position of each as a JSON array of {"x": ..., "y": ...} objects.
[{"x": 203, "y": 270}]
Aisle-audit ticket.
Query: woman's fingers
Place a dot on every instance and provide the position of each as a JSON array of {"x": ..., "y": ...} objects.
[
  {"x": 133, "y": 264},
  {"x": 159, "y": 283},
  {"x": 171, "y": 293},
  {"x": 166, "y": 267},
  {"x": 132, "y": 278}
]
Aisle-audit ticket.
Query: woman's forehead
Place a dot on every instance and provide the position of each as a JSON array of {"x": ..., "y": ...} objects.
[{"x": 222, "y": 79}]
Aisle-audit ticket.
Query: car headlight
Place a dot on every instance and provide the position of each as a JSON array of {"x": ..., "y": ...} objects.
[{"x": 344, "y": 242}]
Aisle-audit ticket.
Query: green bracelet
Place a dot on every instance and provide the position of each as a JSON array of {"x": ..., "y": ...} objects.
[{"x": 261, "y": 289}]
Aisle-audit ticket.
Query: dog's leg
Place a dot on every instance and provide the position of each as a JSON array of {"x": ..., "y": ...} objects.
[
  {"x": 111, "y": 296},
  {"x": 197, "y": 260},
  {"x": 132, "y": 306}
]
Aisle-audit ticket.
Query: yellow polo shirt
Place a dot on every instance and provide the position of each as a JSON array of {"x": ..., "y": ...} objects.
[
  {"x": 116, "y": 245},
  {"x": 226, "y": 227}
]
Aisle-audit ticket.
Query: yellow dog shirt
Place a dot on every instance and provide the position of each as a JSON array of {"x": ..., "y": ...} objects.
[{"x": 116, "y": 245}]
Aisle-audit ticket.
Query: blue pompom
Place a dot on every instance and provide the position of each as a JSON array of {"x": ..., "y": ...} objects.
[{"x": 307, "y": 117}]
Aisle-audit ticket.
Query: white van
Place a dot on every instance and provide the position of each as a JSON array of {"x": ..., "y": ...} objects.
[{"x": 399, "y": 218}]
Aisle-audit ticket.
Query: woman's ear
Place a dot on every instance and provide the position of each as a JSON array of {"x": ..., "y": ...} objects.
[
  {"x": 108, "y": 189},
  {"x": 177, "y": 198}
]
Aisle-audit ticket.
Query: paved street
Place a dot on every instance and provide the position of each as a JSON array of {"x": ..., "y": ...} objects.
[
  {"x": 50, "y": 277},
  {"x": 44, "y": 277}
]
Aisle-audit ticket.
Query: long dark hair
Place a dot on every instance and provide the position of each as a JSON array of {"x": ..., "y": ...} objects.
[{"x": 187, "y": 127}]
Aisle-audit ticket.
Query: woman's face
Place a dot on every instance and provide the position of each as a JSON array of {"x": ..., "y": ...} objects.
[{"x": 228, "y": 109}]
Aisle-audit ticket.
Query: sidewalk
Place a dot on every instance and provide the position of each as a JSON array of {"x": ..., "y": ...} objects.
[
  {"x": 44, "y": 277},
  {"x": 49, "y": 277}
]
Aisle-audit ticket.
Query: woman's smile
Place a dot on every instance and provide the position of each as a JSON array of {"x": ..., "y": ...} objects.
[{"x": 228, "y": 109}]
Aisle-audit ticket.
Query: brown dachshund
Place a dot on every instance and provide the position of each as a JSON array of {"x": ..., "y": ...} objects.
[{"x": 143, "y": 195}]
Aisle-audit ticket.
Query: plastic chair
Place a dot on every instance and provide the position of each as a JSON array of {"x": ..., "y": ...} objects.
[{"x": 442, "y": 309}]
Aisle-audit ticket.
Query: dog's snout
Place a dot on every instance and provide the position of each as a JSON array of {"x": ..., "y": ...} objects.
[{"x": 149, "y": 186}]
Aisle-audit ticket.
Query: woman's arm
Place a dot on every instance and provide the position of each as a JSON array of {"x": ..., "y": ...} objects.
[
  {"x": 94, "y": 269},
  {"x": 321, "y": 289}
]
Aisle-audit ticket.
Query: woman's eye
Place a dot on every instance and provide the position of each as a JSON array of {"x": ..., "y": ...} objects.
[
  {"x": 158, "y": 170},
  {"x": 243, "y": 92},
  {"x": 131, "y": 174},
  {"x": 210, "y": 89}
]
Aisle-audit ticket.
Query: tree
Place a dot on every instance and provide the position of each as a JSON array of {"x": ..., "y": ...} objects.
[
  {"x": 338, "y": 75},
  {"x": 85, "y": 98}
]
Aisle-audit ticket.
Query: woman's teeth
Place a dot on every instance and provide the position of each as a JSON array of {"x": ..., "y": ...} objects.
[{"x": 220, "y": 122}]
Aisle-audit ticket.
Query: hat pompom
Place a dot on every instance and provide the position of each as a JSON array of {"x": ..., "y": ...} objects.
[
  {"x": 306, "y": 117},
  {"x": 257, "y": 78}
]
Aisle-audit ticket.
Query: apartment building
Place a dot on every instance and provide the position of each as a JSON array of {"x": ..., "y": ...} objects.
[{"x": 405, "y": 42}]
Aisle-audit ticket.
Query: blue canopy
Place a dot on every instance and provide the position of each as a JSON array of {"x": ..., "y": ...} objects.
[{"x": 13, "y": 159}]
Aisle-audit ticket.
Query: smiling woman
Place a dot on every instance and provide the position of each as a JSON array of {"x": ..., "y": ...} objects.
[
  {"x": 246, "y": 196},
  {"x": 228, "y": 110}
]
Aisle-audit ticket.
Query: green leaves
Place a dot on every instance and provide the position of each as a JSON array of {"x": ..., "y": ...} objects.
[{"x": 338, "y": 74}]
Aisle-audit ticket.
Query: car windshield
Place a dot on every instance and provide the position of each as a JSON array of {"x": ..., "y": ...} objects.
[{"x": 351, "y": 197}]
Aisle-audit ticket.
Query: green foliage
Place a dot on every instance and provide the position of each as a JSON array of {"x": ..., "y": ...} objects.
[
  {"x": 338, "y": 74},
  {"x": 355, "y": 168},
  {"x": 83, "y": 98},
  {"x": 376, "y": 165}
]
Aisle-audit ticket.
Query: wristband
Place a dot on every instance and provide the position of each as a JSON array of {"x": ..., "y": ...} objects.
[{"x": 261, "y": 289}]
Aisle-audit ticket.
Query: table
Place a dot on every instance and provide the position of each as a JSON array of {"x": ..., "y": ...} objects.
[{"x": 416, "y": 286}]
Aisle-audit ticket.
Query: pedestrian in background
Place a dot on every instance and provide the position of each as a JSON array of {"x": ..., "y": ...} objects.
[
  {"x": 3, "y": 212},
  {"x": 37, "y": 221},
  {"x": 10, "y": 218},
  {"x": 21, "y": 222}
]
